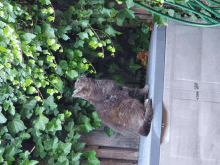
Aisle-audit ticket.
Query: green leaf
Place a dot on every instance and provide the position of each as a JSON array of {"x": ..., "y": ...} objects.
[
  {"x": 73, "y": 64},
  {"x": 54, "y": 125},
  {"x": 63, "y": 64},
  {"x": 145, "y": 28},
  {"x": 108, "y": 131},
  {"x": 109, "y": 30},
  {"x": 72, "y": 74},
  {"x": 28, "y": 37},
  {"x": 78, "y": 147},
  {"x": 24, "y": 135},
  {"x": 49, "y": 102},
  {"x": 66, "y": 147},
  {"x": 96, "y": 120},
  {"x": 133, "y": 67},
  {"x": 24, "y": 155},
  {"x": 3, "y": 129},
  {"x": 28, "y": 107},
  {"x": 78, "y": 53},
  {"x": 51, "y": 41},
  {"x": 2, "y": 118},
  {"x": 93, "y": 161},
  {"x": 89, "y": 154},
  {"x": 29, "y": 162},
  {"x": 83, "y": 35},
  {"x": 3, "y": 49},
  {"x": 160, "y": 20},
  {"x": 45, "y": 2},
  {"x": 40, "y": 122},
  {"x": 83, "y": 23},
  {"x": 16, "y": 125},
  {"x": 47, "y": 30},
  {"x": 86, "y": 128},
  {"x": 79, "y": 43},
  {"x": 113, "y": 68},
  {"x": 127, "y": 13},
  {"x": 171, "y": 12},
  {"x": 129, "y": 3},
  {"x": 106, "y": 11},
  {"x": 51, "y": 143},
  {"x": 75, "y": 157}
]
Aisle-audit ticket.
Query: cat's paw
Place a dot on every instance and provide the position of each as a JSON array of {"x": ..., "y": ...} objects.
[
  {"x": 148, "y": 103},
  {"x": 146, "y": 89}
]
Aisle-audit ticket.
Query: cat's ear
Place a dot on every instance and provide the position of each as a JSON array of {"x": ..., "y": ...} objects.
[{"x": 83, "y": 76}]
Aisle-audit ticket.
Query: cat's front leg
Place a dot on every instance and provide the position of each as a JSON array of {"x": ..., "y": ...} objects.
[{"x": 134, "y": 92}]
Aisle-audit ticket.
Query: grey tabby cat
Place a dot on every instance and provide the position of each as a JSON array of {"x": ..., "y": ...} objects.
[{"x": 116, "y": 105}]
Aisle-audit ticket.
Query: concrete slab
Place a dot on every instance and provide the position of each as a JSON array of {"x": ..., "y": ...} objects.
[{"x": 191, "y": 96}]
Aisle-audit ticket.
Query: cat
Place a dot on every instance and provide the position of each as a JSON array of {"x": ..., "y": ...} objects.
[{"x": 116, "y": 105}]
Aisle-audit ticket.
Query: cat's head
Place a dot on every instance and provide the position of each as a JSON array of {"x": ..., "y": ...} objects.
[{"x": 82, "y": 85}]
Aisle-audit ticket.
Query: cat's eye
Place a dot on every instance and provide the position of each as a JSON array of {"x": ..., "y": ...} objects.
[{"x": 77, "y": 80}]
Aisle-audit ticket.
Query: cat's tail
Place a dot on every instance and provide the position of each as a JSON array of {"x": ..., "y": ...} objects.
[{"x": 145, "y": 128}]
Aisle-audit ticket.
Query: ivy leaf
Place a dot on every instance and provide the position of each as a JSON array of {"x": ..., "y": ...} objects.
[
  {"x": 83, "y": 35},
  {"x": 40, "y": 122},
  {"x": 45, "y": 2},
  {"x": 69, "y": 53},
  {"x": 108, "y": 131},
  {"x": 160, "y": 20},
  {"x": 83, "y": 23},
  {"x": 72, "y": 74},
  {"x": 49, "y": 102},
  {"x": 133, "y": 67},
  {"x": 106, "y": 11},
  {"x": 3, "y": 130},
  {"x": 29, "y": 162},
  {"x": 28, "y": 37},
  {"x": 89, "y": 154},
  {"x": 129, "y": 3},
  {"x": 145, "y": 28},
  {"x": 63, "y": 64},
  {"x": 96, "y": 120},
  {"x": 24, "y": 155},
  {"x": 2, "y": 118},
  {"x": 51, "y": 143},
  {"x": 66, "y": 147},
  {"x": 109, "y": 30},
  {"x": 86, "y": 128},
  {"x": 16, "y": 125},
  {"x": 127, "y": 13},
  {"x": 78, "y": 147},
  {"x": 47, "y": 30},
  {"x": 79, "y": 43},
  {"x": 54, "y": 125},
  {"x": 28, "y": 107},
  {"x": 171, "y": 12},
  {"x": 93, "y": 161},
  {"x": 74, "y": 157}
]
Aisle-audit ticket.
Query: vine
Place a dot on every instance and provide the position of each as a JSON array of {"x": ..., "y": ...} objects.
[{"x": 44, "y": 47}]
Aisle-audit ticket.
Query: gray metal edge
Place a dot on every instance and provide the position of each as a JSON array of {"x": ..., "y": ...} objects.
[{"x": 149, "y": 148}]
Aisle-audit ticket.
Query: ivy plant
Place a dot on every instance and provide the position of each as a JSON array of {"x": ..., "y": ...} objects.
[{"x": 45, "y": 45}]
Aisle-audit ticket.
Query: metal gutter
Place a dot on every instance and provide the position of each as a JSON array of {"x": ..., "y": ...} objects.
[{"x": 149, "y": 149}]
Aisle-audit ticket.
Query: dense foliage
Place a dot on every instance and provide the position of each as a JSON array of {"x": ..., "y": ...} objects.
[{"x": 44, "y": 46}]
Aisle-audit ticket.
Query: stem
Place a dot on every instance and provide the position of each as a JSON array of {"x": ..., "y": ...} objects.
[
  {"x": 106, "y": 35},
  {"x": 98, "y": 38},
  {"x": 32, "y": 149},
  {"x": 53, "y": 12}
]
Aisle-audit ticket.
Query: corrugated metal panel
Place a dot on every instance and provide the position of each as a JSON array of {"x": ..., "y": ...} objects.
[{"x": 149, "y": 149}]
